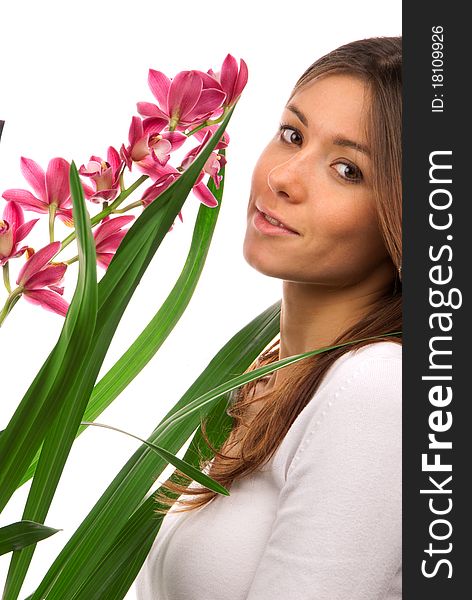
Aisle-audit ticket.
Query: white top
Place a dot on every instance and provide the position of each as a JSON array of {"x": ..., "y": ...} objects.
[{"x": 322, "y": 520}]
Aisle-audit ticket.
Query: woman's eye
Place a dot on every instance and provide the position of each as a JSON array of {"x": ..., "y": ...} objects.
[
  {"x": 290, "y": 135},
  {"x": 348, "y": 172}
]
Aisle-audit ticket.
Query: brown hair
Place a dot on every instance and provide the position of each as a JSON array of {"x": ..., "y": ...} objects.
[{"x": 377, "y": 61}]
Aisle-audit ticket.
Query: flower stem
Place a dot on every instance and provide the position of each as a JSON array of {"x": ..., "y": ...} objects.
[
  {"x": 6, "y": 277},
  {"x": 209, "y": 123},
  {"x": 10, "y": 303},
  {"x": 52, "y": 215},
  {"x": 129, "y": 207},
  {"x": 72, "y": 260},
  {"x": 107, "y": 210}
]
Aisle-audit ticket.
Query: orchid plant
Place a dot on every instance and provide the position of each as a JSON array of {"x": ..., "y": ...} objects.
[
  {"x": 190, "y": 104},
  {"x": 104, "y": 555}
]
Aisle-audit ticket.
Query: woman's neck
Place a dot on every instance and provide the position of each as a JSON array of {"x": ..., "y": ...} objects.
[{"x": 312, "y": 317}]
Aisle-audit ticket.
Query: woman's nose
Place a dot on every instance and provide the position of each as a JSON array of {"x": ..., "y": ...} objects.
[{"x": 289, "y": 179}]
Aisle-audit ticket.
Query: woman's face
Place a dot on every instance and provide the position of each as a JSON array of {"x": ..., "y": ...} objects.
[{"x": 319, "y": 185}]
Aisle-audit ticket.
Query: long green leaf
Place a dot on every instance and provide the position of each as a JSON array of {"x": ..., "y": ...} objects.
[
  {"x": 42, "y": 402},
  {"x": 164, "y": 321},
  {"x": 23, "y": 533},
  {"x": 119, "y": 567},
  {"x": 61, "y": 434},
  {"x": 140, "y": 529},
  {"x": 97, "y": 532},
  {"x": 114, "y": 292},
  {"x": 180, "y": 464}
]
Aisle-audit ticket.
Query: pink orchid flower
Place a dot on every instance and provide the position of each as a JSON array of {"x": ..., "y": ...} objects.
[
  {"x": 201, "y": 134},
  {"x": 161, "y": 184},
  {"x": 164, "y": 176},
  {"x": 38, "y": 273},
  {"x": 148, "y": 143},
  {"x": 50, "y": 188},
  {"x": 108, "y": 236},
  {"x": 213, "y": 164},
  {"x": 13, "y": 230},
  {"x": 105, "y": 176},
  {"x": 231, "y": 79},
  {"x": 188, "y": 99}
]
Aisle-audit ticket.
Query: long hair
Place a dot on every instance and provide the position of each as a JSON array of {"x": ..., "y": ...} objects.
[{"x": 376, "y": 61}]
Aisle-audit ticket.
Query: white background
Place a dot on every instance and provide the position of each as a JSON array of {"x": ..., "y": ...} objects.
[{"x": 71, "y": 77}]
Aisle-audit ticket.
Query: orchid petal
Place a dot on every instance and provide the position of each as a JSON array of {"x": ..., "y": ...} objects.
[
  {"x": 140, "y": 149},
  {"x": 224, "y": 141},
  {"x": 37, "y": 262},
  {"x": 48, "y": 300},
  {"x": 202, "y": 192},
  {"x": 184, "y": 93},
  {"x": 50, "y": 275},
  {"x": 57, "y": 181},
  {"x": 104, "y": 196},
  {"x": 209, "y": 101},
  {"x": 113, "y": 159},
  {"x": 154, "y": 170},
  {"x": 26, "y": 200},
  {"x": 241, "y": 81},
  {"x": 65, "y": 215},
  {"x": 154, "y": 125},
  {"x": 159, "y": 84},
  {"x": 111, "y": 226},
  {"x": 35, "y": 176},
  {"x": 14, "y": 215},
  {"x": 93, "y": 167},
  {"x": 147, "y": 109},
  {"x": 24, "y": 229},
  {"x": 229, "y": 75},
  {"x": 162, "y": 147},
  {"x": 56, "y": 288},
  {"x": 176, "y": 138},
  {"x": 111, "y": 243},
  {"x": 126, "y": 156},
  {"x": 104, "y": 259},
  {"x": 210, "y": 80},
  {"x": 135, "y": 130}
]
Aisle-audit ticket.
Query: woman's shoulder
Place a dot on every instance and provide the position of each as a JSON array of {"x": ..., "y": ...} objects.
[
  {"x": 360, "y": 395},
  {"x": 386, "y": 353}
]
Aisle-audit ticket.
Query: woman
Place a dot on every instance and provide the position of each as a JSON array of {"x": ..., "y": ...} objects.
[{"x": 313, "y": 461}]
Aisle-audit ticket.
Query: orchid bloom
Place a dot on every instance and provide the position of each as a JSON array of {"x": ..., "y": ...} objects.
[
  {"x": 13, "y": 230},
  {"x": 51, "y": 189},
  {"x": 231, "y": 78},
  {"x": 38, "y": 273},
  {"x": 105, "y": 176},
  {"x": 108, "y": 237},
  {"x": 212, "y": 165},
  {"x": 149, "y": 144},
  {"x": 188, "y": 99},
  {"x": 164, "y": 176},
  {"x": 224, "y": 140},
  {"x": 156, "y": 189}
]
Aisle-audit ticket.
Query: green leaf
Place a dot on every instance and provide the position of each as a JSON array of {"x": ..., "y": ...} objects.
[
  {"x": 73, "y": 395},
  {"x": 183, "y": 466},
  {"x": 159, "y": 328},
  {"x": 21, "y": 534},
  {"x": 114, "y": 292},
  {"x": 98, "y": 531},
  {"x": 42, "y": 402},
  {"x": 117, "y": 570},
  {"x": 115, "y": 573}
]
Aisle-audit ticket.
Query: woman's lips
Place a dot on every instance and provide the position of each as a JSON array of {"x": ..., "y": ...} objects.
[{"x": 263, "y": 225}]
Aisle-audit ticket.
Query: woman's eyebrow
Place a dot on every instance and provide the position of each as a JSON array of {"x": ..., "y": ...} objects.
[{"x": 338, "y": 140}]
